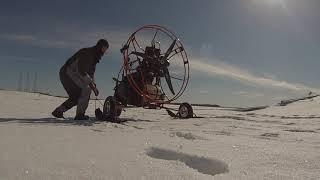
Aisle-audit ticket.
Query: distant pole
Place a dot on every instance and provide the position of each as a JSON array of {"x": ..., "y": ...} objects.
[
  {"x": 27, "y": 89},
  {"x": 20, "y": 81},
  {"x": 35, "y": 82}
]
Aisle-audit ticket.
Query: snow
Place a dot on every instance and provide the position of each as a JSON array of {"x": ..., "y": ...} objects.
[{"x": 279, "y": 142}]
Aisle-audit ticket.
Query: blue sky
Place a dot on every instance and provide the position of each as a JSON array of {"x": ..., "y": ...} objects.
[{"x": 241, "y": 52}]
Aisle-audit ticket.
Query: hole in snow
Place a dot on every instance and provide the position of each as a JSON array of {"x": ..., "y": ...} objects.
[{"x": 201, "y": 164}]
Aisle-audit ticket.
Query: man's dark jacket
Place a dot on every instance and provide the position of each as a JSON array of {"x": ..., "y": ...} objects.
[{"x": 86, "y": 60}]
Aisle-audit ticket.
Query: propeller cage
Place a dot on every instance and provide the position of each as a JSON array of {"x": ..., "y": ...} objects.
[{"x": 148, "y": 70}]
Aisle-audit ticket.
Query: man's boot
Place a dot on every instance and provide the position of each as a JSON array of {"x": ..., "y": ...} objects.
[
  {"x": 81, "y": 117},
  {"x": 58, "y": 112}
]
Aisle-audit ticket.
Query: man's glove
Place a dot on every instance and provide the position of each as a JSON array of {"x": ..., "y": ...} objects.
[{"x": 93, "y": 86}]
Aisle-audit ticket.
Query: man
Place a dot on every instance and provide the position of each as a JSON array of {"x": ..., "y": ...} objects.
[{"x": 77, "y": 78}]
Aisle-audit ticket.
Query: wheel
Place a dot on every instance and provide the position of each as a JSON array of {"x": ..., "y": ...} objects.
[
  {"x": 111, "y": 108},
  {"x": 185, "y": 111}
]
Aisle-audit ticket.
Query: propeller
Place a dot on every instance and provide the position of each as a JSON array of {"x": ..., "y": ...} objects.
[
  {"x": 168, "y": 52},
  {"x": 164, "y": 61},
  {"x": 141, "y": 54},
  {"x": 168, "y": 79}
]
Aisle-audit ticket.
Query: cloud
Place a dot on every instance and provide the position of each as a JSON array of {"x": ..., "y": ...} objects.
[
  {"x": 203, "y": 92},
  {"x": 17, "y": 37},
  {"x": 23, "y": 59},
  {"x": 38, "y": 40},
  {"x": 73, "y": 37},
  {"x": 248, "y": 94},
  {"x": 279, "y": 98},
  {"x": 219, "y": 68}
]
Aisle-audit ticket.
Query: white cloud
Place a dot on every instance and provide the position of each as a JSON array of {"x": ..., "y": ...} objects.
[
  {"x": 38, "y": 40},
  {"x": 72, "y": 37},
  {"x": 239, "y": 93},
  {"x": 279, "y": 98},
  {"x": 248, "y": 94},
  {"x": 23, "y": 59},
  {"x": 18, "y": 37},
  {"x": 203, "y": 92},
  {"x": 218, "y": 68}
]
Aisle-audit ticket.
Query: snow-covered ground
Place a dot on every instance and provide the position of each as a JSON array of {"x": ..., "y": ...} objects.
[{"x": 280, "y": 142}]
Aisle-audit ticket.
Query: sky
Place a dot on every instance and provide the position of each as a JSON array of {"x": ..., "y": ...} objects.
[{"x": 241, "y": 52}]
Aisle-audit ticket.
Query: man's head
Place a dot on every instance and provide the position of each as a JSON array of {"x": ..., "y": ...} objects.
[{"x": 102, "y": 46}]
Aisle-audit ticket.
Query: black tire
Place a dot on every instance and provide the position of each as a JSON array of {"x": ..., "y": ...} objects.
[
  {"x": 185, "y": 111},
  {"x": 111, "y": 108}
]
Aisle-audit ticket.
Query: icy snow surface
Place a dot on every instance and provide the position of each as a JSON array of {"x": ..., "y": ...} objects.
[{"x": 279, "y": 142}]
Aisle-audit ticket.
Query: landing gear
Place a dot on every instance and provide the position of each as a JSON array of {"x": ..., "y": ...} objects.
[
  {"x": 185, "y": 111},
  {"x": 111, "y": 108}
]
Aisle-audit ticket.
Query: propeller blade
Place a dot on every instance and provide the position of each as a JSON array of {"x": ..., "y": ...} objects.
[
  {"x": 141, "y": 54},
  {"x": 168, "y": 79},
  {"x": 168, "y": 52}
]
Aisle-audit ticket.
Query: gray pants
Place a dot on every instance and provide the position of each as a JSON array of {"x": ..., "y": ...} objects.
[{"x": 79, "y": 93}]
